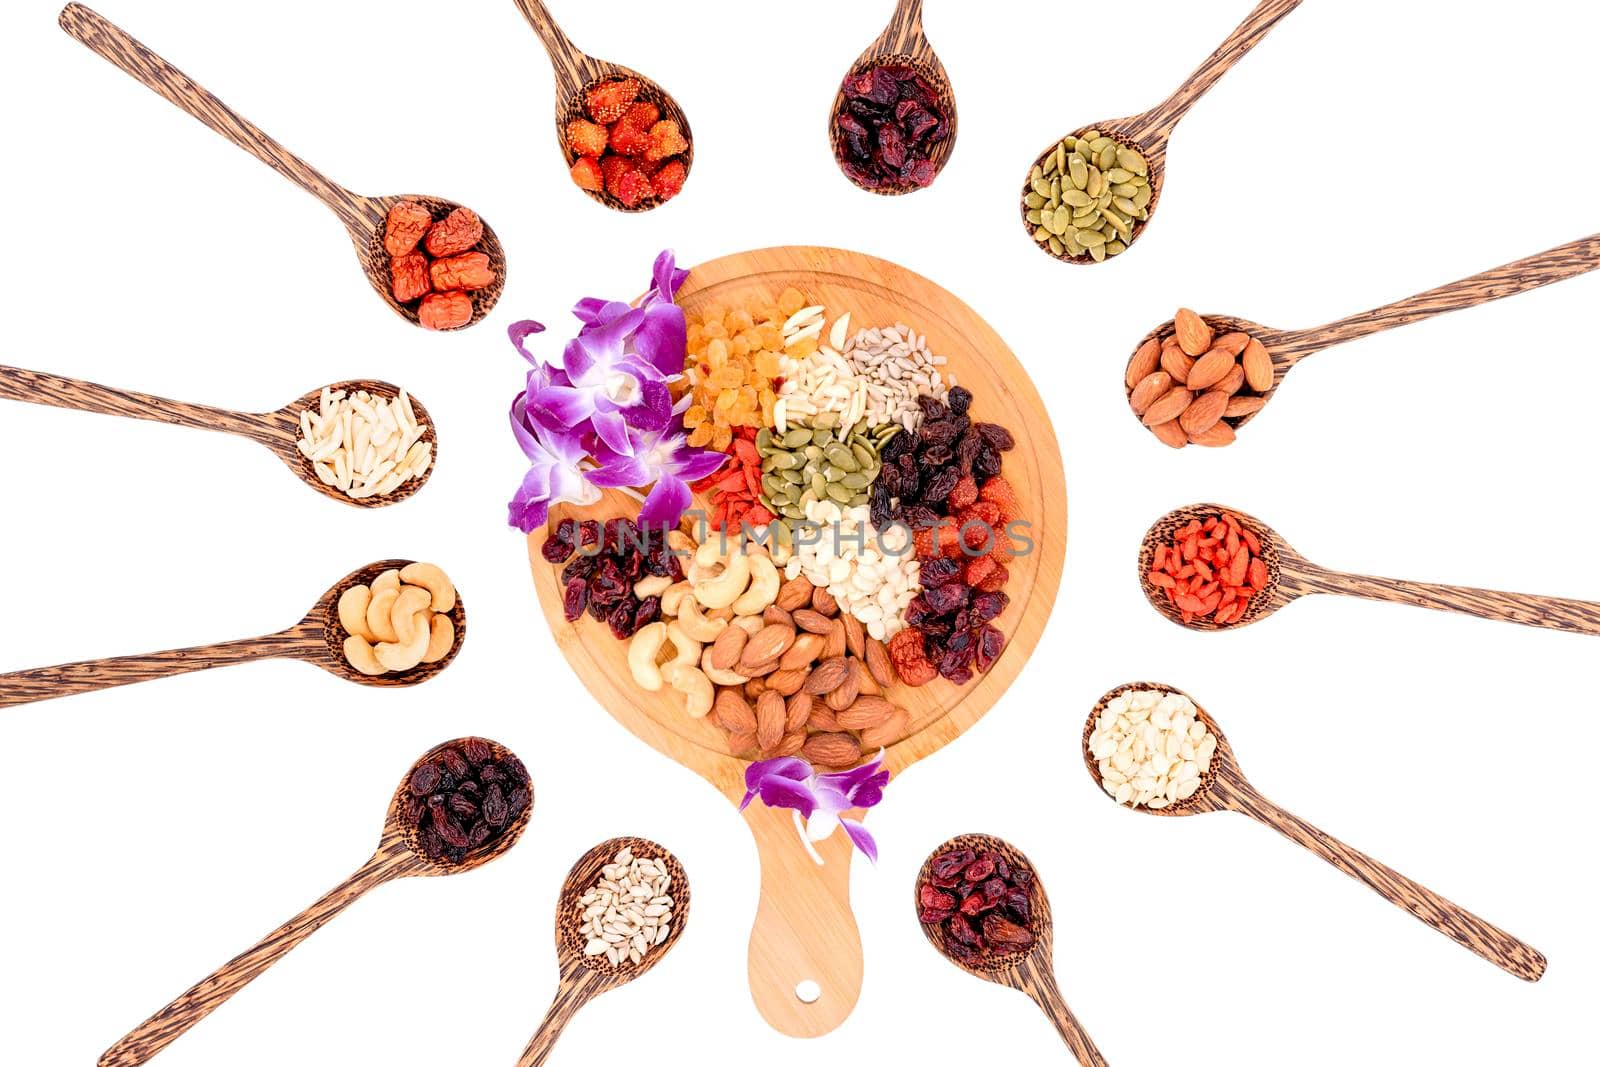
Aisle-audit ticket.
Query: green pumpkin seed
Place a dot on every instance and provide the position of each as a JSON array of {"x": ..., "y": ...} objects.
[
  {"x": 1041, "y": 235},
  {"x": 1097, "y": 253},
  {"x": 1091, "y": 239},
  {"x": 794, "y": 477},
  {"x": 1040, "y": 186},
  {"x": 796, "y": 437},
  {"x": 763, "y": 440},
  {"x": 1132, "y": 162},
  {"x": 841, "y": 456},
  {"x": 855, "y": 481},
  {"x": 864, "y": 455},
  {"x": 1056, "y": 246},
  {"x": 1038, "y": 217},
  {"x": 1080, "y": 173},
  {"x": 827, "y": 420},
  {"x": 1076, "y": 198},
  {"x": 1096, "y": 183},
  {"x": 839, "y": 494},
  {"x": 1034, "y": 201}
]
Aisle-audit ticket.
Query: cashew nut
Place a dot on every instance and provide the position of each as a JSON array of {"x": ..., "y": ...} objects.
[
  {"x": 431, "y": 578},
  {"x": 672, "y": 598},
  {"x": 642, "y": 652},
  {"x": 358, "y": 653},
  {"x": 380, "y": 610},
  {"x": 764, "y": 583},
  {"x": 353, "y": 611},
  {"x": 441, "y": 639},
  {"x": 696, "y": 625},
  {"x": 410, "y": 609},
  {"x": 685, "y": 649},
  {"x": 720, "y": 677},
  {"x": 402, "y": 657},
  {"x": 387, "y": 580},
  {"x": 651, "y": 585},
  {"x": 679, "y": 541},
  {"x": 699, "y": 693},
  {"x": 725, "y": 588}
]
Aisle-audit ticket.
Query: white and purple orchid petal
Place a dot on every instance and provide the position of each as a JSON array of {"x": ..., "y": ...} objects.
[
  {"x": 667, "y": 501},
  {"x": 563, "y": 405},
  {"x": 693, "y": 464},
  {"x": 787, "y": 793},
  {"x": 821, "y": 824},
  {"x": 861, "y": 838},
  {"x": 668, "y": 279},
  {"x": 519, "y": 332},
  {"x": 612, "y": 429},
  {"x": 569, "y": 485},
  {"x": 791, "y": 767},
  {"x": 617, "y": 472},
  {"x": 594, "y": 312},
  {"x": 530, "y": 507},
  {"x": 597, "y": 351},
  {"x": 663, "y": 338},
  {"x": 653, "y": 408}
]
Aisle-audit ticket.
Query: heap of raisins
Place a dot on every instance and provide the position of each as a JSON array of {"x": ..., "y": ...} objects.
[
  {"x": 981, "y": 902},
  {"x": 603, "y": 561},
  {"x": 464, "y": 798}
]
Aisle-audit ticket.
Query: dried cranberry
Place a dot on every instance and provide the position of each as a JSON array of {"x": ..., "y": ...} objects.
[
  {"x": 987, "y": 606},
  {"x": 960, "y": 928},
  {"x": 917, "y": 611},
  {"x": 580, "y": 567},
  {"x": 930, "y": 897},
  {"x": 608, "y": 584},
  {"x": 945, "y": 598},
  {"x": 555, "y": 551},
  {"x": 963, "y": 952},
  {"x": 991, "y": 642},
  {"x": 575, "y": 599},
  {"x": 588, "y": 533},
  {"x": 934, "y": 917},
  {"x": 649, "y": 611},
  {"x": 1019, "y": 904},
  {"x": 979, "y": 870},
  {"x": 939, "y": 571},
  {"x": 1005, "y": 935},
  {"x": 952, "y": 863},
  {"x": 974, "y": 905},
  {"x": 994, "y": 889},
  {"x": 620, "y": 618},
  {"x": 954, "y": 663}
]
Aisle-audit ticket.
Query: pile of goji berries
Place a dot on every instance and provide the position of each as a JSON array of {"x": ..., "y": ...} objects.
[
  {"x": 734, "y": 491},
  {"x": 1210, "y": 569}
]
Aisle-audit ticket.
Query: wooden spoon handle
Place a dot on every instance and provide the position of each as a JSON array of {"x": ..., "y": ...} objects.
[
  {"x": 123, "y": 51},
  {"x": 577, "y": 988},
  {"x": 393, "y": 860},
  {"x": 1160, "y": 122},
  {"x": 1455, "y": 922},
  {"x": 804, "y": 929},
  {"x": 1558, "y": 264},
  {"x": 1546, "y": 612},
  {"x": 1038, "y": 981},
  {"x": 573, "y": 69},
  {"x": 903, "y": 35},
  {"x": 51, "y": 390},
  {"x": 68, "y": 679}
]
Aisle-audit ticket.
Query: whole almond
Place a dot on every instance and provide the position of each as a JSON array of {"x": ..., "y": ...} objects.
[
  {"x": 813, "y": 622},
  {"x": 1168, "y": 407},
  {"x": 743, "y": 744},
  {"x": 776, "y": 616},
  {"x": 821, "y": 720},
  {"x": 838, "y": 751},
  {"x": 754, "y": 688},
  {"x": 757, "y": 671},
  {"x": 869, "y": 685},
  {"x": 836, "y": 644},
  {"x": 865, "y": 713},
  {"x": 1194, "y": 336},
  {"x": 823, "y": 602},
  {"x": 1203, "y": 413},
  {"x": 797, "y": 711},
  {"x": 802, "y": 652},
  {"x": 765, "y": 647},
  {"x": 727, "y": 648},
  {"x": 1243, "y": 405},
  {"x": 795, "y": 593},
  {"x": 855, "y": 636},
  {"x": 1210, "y": 369},
  {"x": 1151, "y": 388},
  {"x": 887, "y": 732},
  {"x": 732, "y": 712},
  {"x": 879, "y": 665},
  {"x": 791, "y": 744},
  {"x": 849, "y": 689},
  {"x": 1144, "y": 362},
  {"x": 828, "y": 676},
  {"x": 1219, "y": 435},
  {"x": 1233, "y": 382},
  {"x": 786, "y": 683},
  {"x": 771, "y": 716},
  {"x": 1175, "y": 362},
  {"x": 1257, "y": 366},
  {"x": 1231, "y": 343},
  {"x": 1171, "y": 434}
]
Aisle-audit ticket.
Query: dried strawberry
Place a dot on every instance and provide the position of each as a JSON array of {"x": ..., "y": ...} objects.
[
  {"x": 587, "y": 138},
  {"x": 612, "y": 169},
  {"x": 963, "y": 495},
  {"x": 979, "y": 570},
  {"x": 998, "y": 491},
  {"x": 586, "y": 174},
  {"x": 666, "y": 139},
  {"x": 632, "y": 187},
  {"x": 668, "y": 181},
  {"x": 996, "y": 581},
  {"x": 629, "y": 140},
  {"x": 642, "y": 115},
  {"x": 609, "y": 101}
]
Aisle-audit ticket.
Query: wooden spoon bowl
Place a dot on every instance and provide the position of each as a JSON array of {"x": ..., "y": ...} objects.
[
  {"x": 288, "y": 418},
  {"x": 376, "y": 261},
  {"x": 925, "y": 62},
  {"x": 396, "y": 825},
  {"x": 1261, "y": 605},
  {"x": 585, "y": 977},
  {"x": 324, "y": 618},
  {"x": 1032, "y": 972},
  {"x": 1223, "y": 787},
  {"x": 1130, "y": 132}
]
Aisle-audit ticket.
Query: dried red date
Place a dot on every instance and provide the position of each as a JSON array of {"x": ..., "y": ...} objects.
[
  {"x": 407, "y": 224},
  {"x": 454, "y": 234},
  {"x": 409, "y": 277}
]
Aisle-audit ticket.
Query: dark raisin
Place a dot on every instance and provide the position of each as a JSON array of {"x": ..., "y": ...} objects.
[
  {"x": 495, "y": 809},
  {"x": 521, "y": 797},
  {"x": 889, "y": 479},
  {"x": 932, "y": 408},
  {"x": 997, "y": 436},
  {"x": 477, "y": 751},
  {"x": 425, "y": 779},
  {"x": 940, "y": 432},
  {"x": 455, "y": 763},
  {"x": 946, "y": 598},
  {"x": 940, "y": 483},
  {"x": 920, "y": 517},
  {"x": 1006, "y": 936},
  {"x": 462, "y": 806},
  {"x": 967, "y": 450},
  {"x": 960, "y": 399},
  {"x": 897, "y": 446},
  {"x": 987, "y": 465},
  {"x": 937, "y": 456}
]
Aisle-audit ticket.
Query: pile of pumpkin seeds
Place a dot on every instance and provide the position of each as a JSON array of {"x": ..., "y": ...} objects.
[
  {"x": 1086, "y": 196},
  {"x": 813, "y": 462}
]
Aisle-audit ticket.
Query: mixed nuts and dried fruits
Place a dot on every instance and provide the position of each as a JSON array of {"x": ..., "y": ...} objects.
[
  {"x": 400, "y": 621},
  {"x": 364, "y": 445},
  {"x": 1210, "y": 568},
  {"x": 628, "y": 910},
  {"x": 464, "y": 798},
  {"x": 889, "y": 122},
  {"x": 1151, "y": 748},
  {"x": 1087, "y": 198},
  {"x": 436, "y": 262},
  {"x": 1192, "y": 386},
  {"x": 981, "y": 904},
  {"x": 625, "y": 148}
]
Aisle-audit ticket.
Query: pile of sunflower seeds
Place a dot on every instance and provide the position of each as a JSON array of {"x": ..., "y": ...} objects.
[
  {"x": 897, "y": 367},
  {"x": 628, "y": 912}
]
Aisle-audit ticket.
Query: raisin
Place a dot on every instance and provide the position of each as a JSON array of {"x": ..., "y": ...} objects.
[
  {"x": 941, "y": 432},
  {"x": 998, "y": 437},
  {"x": 939, "y": 456},
  {"x": 960, "y": 399},
  {"x": 462, "y": 806},
  {"x": 521, "y": 797},
  {"x": 967, "y": 450},
  {"x": 940, "y": 484},
  {"x": 477, "y": 752},
  {"x": 1005, "y": 935},
  {"x": 932, "y": 408},
  {"x": 987, "y": 465},
  {"x": 455, "y": 763},
  {"x": 425, "y": 779},
  {"x": 495, "y": 809},
  {"x": 898, "y": 445},
  {"x": 946, "y": 598}
]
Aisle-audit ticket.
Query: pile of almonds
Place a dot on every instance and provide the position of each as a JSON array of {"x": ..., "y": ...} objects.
[{"x": 1192, "y": 387}]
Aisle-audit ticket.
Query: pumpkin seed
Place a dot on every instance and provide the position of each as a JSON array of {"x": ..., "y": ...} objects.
[
  {"x": 1087, "y": 196},
  {"x": 796, "y": 437}
]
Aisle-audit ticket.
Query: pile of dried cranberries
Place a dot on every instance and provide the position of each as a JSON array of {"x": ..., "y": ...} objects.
[
  {"x": 465, "y": 798},
  {"x": 603, "y": 561},
  {"x": 982, "y": 903},
  {"x": 888, "y": 123}
]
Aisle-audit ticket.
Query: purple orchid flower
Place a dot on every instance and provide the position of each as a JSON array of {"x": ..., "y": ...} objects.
[
  {"x": 820, "y": 799},
  {"x": 555, "y": 474},
  {"x": 662, "y": 457}
]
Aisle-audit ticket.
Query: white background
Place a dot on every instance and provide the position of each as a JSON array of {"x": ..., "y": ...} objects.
[{"x": 1366, "y": 151}]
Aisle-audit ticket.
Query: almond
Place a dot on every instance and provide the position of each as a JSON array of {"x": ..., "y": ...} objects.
[
  {"x": 1203, "y": 414},
  {"x": 855, "y": 636},
  {"x": 776, "y": 616},
  {"x": 869, "y": 685},
  {"x": 1231, "y": 343},
  {"x": 837, "y": 751},
  {"x": 1210, "y": 369},
  {"x": 821, "y": 720},
  {"x": 765, "y": 648},
  {"x": 823, "y": 602},
  {"x": 802, "y": 652},
  {"x": 786, "y": 683},
  {"x": 771, "y": 717},
  {"x": 757, "y": 671},
  {"x": 1219, "y": 435},
  {"x": 1168, "y": 407},
  {"x": 887, "y": 732},
  {"x": 1233, "y": 382},
  {"x": 1175, "y": 362},
  {"x": 798, "y": 710},
  {"x": 1244, "y": 405},
  {"x": 1194, "y": 336},
  {"x": 1257, "y": 366},
  {"x": 1171, "y": 434},
  {"x": 1144, "y": 362},
  {"x": 795, "y": 593},
  {"x": 813, "y": 622},
  {"x": 847, "y": 691},
  {"x": 828, "y": 676},
  {"x": 732, "y": 712},
  {"x": 866, "y": 713},
  {"x": 743, "y": 744},
  {"x": 836, "y": 644},
  {"x": 754, "y": 688},
  {"x": 727, "y": 648},
  {"x": 879, "y": 665},
  {"x": 791, "y": 744},
  {"x": 1151, "y": 387}
]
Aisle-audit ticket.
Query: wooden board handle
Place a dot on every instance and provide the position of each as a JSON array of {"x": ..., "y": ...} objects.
[
  {"x": 69, "y": 679},
  {"x": 1558, "y": 264},
  {"x": 578, "y": 986},
  {"x": 1160, "y": 122},
  {"x": 1545, "y": 612},
  {"x": 119, "y": 48},
  {"x": 804, "y": 929},
  {"x": 1035, "y": 978},
  {"x": 393, "y": 860},
  {"x": 52, "y": 390},
  {"x": 1455, "y": 922}
]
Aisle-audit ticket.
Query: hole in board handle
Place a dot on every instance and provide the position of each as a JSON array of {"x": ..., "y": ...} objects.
[{"x": 808, "y": 992}]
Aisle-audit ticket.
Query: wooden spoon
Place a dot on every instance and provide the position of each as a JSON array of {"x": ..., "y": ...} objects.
[
  {"x": 1291, "y": 576},
  {"x": 363, "y": 216},
  {"x": 585, "y": 977},
  {"x": 902, "y": 42},
  {"x": 317, "y": 639},
  {"x": 278, "y": 431},
  {"x": 399, "y": 855},
  {"x": 1223, "y": 788},
  {"x": 575, "y": 72},
  {"x": 1289, "y": 347},
  {"x": 1149, "y": 131},
  {"x": 1032, "y": 973}
]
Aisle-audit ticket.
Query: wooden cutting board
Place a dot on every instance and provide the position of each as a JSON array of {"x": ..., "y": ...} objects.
[{"x": 804, "y": 928}]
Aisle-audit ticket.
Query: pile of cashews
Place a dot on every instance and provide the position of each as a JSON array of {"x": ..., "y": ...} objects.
[
  {"x": 401, "y": 620},
  {"x": 727, "y": 583}
]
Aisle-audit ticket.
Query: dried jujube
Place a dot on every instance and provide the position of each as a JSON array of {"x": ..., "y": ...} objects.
[
  {"x": 433, "y": 264},
  {"x": 464, "y": 798}
]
